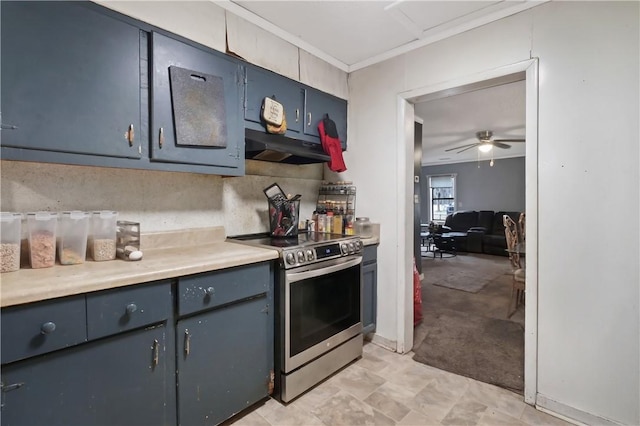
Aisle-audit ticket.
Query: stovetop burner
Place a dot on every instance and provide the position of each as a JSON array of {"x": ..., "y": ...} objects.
[{"x": 307, "y": 248}]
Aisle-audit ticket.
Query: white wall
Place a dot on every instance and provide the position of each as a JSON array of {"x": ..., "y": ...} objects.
[{"x": 588, "y": 342}]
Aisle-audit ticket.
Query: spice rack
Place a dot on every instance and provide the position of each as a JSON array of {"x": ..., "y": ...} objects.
[{"x": 336, "y": 200}]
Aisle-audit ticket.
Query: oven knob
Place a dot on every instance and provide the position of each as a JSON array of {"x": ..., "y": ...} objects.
[
  {"x": 309, "y": 255},
  {"x": 352, "y": 249},
  {"x": 344, "y": 248},
  {"x": 300, "y": 256},
  {"x": 291, "y": 259}
]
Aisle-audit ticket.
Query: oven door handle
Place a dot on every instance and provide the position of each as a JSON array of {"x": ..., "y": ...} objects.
[{"x": 313, "y": 273}]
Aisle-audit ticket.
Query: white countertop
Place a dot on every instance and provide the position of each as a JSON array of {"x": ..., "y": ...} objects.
[
  {"x": 184, "y": 254},
  {"x": 166, "y": 255}
]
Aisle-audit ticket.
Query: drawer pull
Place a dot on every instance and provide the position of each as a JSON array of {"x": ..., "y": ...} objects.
[
  {"x": 297, "y": 114},
  {"x": 187, "y": 342},
  {"x": 130, "y": 134},
  {"x": 156, "y": 352},
  {"x": 309, "y": 117},
  {"x": 131, "y": 308},
  {"x": 48, "y": 327},
  {"x": 209, "y": 291}
]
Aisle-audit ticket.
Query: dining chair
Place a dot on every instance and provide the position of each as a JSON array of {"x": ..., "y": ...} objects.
[
  {"x": 511, "y": 234},
  {"x": 518, "y": 274}
]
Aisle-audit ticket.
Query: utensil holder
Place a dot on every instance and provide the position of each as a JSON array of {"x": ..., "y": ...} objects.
[{"x": 283, "y": 217}]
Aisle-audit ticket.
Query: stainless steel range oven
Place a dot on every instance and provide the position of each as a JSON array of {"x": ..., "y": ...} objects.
[{"x": 318, "y": 294}]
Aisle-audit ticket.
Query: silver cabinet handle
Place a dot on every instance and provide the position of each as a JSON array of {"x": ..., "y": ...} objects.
[
  {"x": 309, "y": 119},
  {"x": 131, "y": 308},
  {"x": 130, "y": 135},
  {"x": 156, "y": 352},
  {"x": 297, "y": 114},
  {"x": 48, "y": 327},
  {"x": 187, "y": 342},
  {"x": 161, "y": 137},
  {"x": 209, "y": 291}
]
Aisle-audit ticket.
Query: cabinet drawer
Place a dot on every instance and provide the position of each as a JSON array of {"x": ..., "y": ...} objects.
[
  {"x": 207, "y": 290},
  {"x": 37, "y": 328},
  {"x": 118, "y": 310},
  {"x": 370, "y": 254}
]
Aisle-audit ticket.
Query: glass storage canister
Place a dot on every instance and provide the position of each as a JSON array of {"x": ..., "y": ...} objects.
[
  {"x": 42, "y": 228},
  {"x": 362, "y": 227},
  {"x": 102, "y": 241},
  {"x": 128, "y": 243},
  {"x": 10, "y": 233},
  {"x": 73, "y": 228}
]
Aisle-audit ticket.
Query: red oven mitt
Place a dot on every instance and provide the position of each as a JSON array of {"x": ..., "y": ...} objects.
[{"x": 331, "y": 144}]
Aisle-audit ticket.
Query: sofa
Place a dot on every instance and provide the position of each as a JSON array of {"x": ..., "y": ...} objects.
[{"x": 478, "y": 231}]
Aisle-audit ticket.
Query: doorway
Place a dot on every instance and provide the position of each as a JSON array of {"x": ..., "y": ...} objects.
[{"x": 486, "y": 79}]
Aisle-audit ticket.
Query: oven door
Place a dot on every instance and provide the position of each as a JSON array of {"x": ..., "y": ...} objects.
[{"x": 322, "y": 309}]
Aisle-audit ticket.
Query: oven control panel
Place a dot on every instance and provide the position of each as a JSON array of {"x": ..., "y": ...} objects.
[{"x": 299, "y": 256}]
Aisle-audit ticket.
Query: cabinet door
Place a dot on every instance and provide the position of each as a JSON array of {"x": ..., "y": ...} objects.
[
  {"x": 225, "y": 361},
  {"x": 71, "y": 79},
  {"x": 317, "y": 105},
  {"x": 123, "y": 380},
  {"x": 165, "y": 146},
  {"x": 261, "y": 83},
  {"x": 369, "y": 297}
]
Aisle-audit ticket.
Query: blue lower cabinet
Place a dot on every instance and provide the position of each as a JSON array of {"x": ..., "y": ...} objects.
[
  {"x": 369, "y": 289},
  {"x": 225, "y": 361},
  {"x": 127, "y": 379}
]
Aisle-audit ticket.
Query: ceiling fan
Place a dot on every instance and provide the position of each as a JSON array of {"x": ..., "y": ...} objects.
[{"x": 485, "y": 142}]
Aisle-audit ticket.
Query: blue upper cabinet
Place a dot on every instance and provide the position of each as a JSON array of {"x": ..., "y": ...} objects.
[
  {"x": 196, "y": 106},
  {"x": 71, "y": 80},
  {"x": 261, "y": 83},
  {"x": 317, "y": 105},
  {"x": 304, "y": 106}
]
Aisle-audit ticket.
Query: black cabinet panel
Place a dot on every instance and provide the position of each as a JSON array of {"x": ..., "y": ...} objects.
[
  {"x": 168, "y": 52},
  {"x": 225, "y": 360},
  {"x": 71, "y": 79},
  {"x": 123, "y": 380}
]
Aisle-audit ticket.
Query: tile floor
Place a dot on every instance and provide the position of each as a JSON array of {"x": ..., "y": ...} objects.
[{"x": 386, "y": 388}]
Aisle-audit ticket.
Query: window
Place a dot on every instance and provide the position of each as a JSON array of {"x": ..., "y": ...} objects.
[{"x": 442, "y": 196}]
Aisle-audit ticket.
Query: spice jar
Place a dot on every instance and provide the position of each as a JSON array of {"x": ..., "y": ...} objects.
[
  {"x": 363, "y": 227},
  {"x": 42, "y": 227},
  {"x": 102, "y": 242},
  {"x": 10, "y": 234}
]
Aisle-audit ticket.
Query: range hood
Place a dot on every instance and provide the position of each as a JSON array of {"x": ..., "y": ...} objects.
[{"x": 280, "y": 149}]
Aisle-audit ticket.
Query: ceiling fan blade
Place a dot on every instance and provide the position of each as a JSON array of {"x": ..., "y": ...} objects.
[
  {"x": 508, "y": 140},
  {"x": 463, "y": 146},
  {"x": 467, "y": 148},
  {"x": 501, "y": 145}
]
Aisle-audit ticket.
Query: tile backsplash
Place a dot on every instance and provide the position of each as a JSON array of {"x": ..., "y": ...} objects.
[{"x": 160, "y": 201}]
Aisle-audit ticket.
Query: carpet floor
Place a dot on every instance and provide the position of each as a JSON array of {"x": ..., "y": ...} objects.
[{"x": 464, "y": 328}]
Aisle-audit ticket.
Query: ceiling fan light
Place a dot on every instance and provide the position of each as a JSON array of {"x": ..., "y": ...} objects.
[{"x": 485, "y": 147}]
